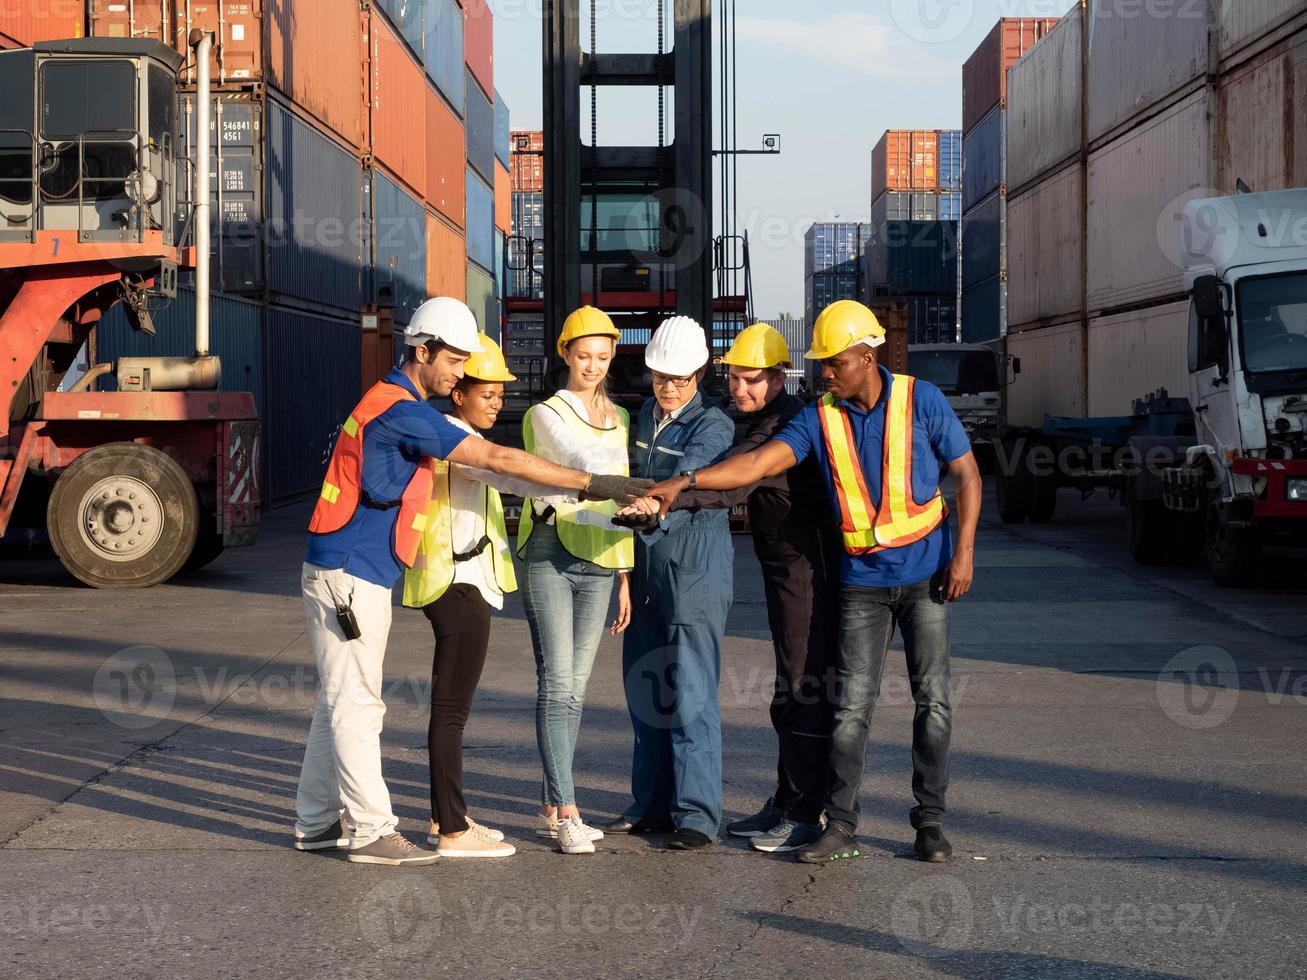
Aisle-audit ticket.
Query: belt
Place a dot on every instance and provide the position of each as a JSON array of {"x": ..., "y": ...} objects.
[{"x": 481, "y": 546}]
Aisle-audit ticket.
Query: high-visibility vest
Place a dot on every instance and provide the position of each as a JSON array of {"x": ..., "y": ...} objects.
[
  {"x": 898, "y": 520},
  {"x": 342, "y": 490},
  {"x": 433, "y": 571},
  {"x": 585, "y": 528}
]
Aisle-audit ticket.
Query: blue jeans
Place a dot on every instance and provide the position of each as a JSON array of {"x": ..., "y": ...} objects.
[
  {"x": 566, "y": 601},
  {"x": 867, "y": 620}
]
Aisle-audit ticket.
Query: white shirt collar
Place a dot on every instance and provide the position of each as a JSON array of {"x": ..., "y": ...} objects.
[{"x": 462, "y": 425}]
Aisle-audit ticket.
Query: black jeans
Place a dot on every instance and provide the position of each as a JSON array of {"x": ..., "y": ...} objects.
[
  {"x": 867, "y": 620},
  {"x": 461, "y": 621}
]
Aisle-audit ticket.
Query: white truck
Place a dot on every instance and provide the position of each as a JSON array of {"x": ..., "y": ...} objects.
[{"x": 968, "y": 376}]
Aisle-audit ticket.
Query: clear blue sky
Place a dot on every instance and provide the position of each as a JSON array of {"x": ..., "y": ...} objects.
[{"x": 828, "y": 75}]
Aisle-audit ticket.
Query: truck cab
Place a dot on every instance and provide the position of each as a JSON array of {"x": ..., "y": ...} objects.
[{"x": 968, "y": 376}]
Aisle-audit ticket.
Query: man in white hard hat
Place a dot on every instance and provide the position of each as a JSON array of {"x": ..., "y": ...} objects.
[
  {"x": 671, "y": 654},
  {"x": 365, "y": 530}
]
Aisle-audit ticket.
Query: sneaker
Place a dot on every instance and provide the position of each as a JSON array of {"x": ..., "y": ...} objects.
[
  {"x": 476, "y": 842},
  {"x": 433, "y": 831},
  {"x": 688, "y": 839},
  {"x": 761, "y": 822},
  {"x": 931, "y": 844},
  {"x": 787, "y": 836},
  {"x": 547, "y": 826},
  {"x": 574, "y": 837},
  {"x": 834, "y": 844},
  {"x": 325, "y": 840},
  {"x": 393, "y": 849}
]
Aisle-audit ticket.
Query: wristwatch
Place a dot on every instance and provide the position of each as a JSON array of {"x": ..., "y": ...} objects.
[{"x": 692, "y": 476}]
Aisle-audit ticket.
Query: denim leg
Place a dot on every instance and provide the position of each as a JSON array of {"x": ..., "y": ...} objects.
[
  {"x": 923, "y": 622},
  {"x": 866, "y": 625},
  {"x": 592, "y": 590},
  {"x": 645, "y": 670}
]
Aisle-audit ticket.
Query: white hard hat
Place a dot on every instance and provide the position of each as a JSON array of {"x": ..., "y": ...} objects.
[
  {"x": 678, "y": 347},
  {"x": 445, "y": 319}
]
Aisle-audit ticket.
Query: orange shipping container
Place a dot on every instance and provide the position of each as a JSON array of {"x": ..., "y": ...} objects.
[
  {"x": 237, "y": 26},
  {"x": 905, "y": 160},
  {"x": 24, "y": 24},
  {"x": 503, "y": 200},
  {"x": 479, "y": 44},
  {"x": 446, "y": 260},
  {"x": 446, "y": 185},
  {"x": 317, "y": 55},
  {"x": 399, "y": 113},
  {"x": 526, "y": 153}
]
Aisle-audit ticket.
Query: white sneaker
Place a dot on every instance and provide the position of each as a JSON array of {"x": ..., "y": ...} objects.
[
  {"x": 476, "y": 843},
  {"x": 433, "y": 831},
  {"x": 547, "y": 826},
  {"x": 573, "y": 837}
]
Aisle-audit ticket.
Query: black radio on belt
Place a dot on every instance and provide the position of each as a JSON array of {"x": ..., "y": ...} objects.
[{"x": 349, "y": 625}]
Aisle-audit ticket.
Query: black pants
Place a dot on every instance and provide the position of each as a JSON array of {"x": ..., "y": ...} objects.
[
  {"x": 801, "y": 580},
  {"x": 461, "y": 621}
]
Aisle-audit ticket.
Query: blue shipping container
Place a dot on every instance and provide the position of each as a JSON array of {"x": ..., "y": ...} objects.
[
  {"x": 480, "y": 222},
  {"x": 981, "y": 312},
  {"x": 480, "y": 131},
  {"x": 950, "y": 207},
  {"x": 444, "y": 50},
  {"x": 981, "y": 241},
  {"x": 408, "y": 17},
  {"x": 829, "y": 244},
  {"x": 503, "y": 131},
  {"x": 950, "y": 159},
  {"x": 400, "y": 246},
  {"x": 982, "y": 159},
  {"x": 932, "y": 319},
  {"x": 915, "y": 257}
]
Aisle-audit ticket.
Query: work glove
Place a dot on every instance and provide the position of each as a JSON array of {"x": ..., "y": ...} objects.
[
  {"x": 636, "y": 522},
  {"x": 623, "y": 489}
]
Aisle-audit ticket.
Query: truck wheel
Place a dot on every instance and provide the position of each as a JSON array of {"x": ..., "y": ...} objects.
[
  {"x": 1187, "y": 538},
  {"x": 1043, "y": 498},
  {"x": 123, "y": 516},
  {"x": 1014, "y": 489},
  {"x": 1149, "y": 526},
  {"x": 1232, "y": 552},
  {"x": 208, "y": 546}
]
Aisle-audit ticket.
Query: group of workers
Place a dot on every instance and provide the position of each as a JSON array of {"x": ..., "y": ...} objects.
[{"x": 849, "y": 525}]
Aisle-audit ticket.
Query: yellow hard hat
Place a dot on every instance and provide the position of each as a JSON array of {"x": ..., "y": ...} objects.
[
  {"x": 840, "y": 326},
  {"x": 586, "y": 322},
  {"x": 759, "y": 346},
  {"x": 488, "y": 364}
]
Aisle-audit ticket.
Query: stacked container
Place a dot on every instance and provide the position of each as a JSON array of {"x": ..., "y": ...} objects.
[
  {"x": 1112, "y": 130},
  {"x": 830, "y": 264},
  {"x": 526, "y": 171}
]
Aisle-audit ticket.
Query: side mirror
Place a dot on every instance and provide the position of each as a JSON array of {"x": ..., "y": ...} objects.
[
  {"x": 1209, "y": 298},
  {"x": 1016, "y": 366}
]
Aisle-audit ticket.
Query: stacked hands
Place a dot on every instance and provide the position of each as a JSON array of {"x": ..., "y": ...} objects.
[{"x": 643, "y": 513}]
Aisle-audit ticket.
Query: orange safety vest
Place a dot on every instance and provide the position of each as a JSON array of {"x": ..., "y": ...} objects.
[
  {"x": 898, "y": 520},
  {"x": 342, "y": 490}
]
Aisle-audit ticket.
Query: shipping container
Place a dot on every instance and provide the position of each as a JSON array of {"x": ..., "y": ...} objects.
[
  {"x": 480, "y": 133},
  {"x": 950, "y": 160},
  {"x": 981, "y": 241},
  {"x": 1265, "y": 142},
  {"x": 24, "y": 24},
  {"x": 480, "y": 222},
  {"x": 503, "y": 132},
  {"x": 983, "y": 151},
  {"x": 1045, "y": 250},
  {"x": 408, "y": 20},
  {"x": 1133, "y": 354},
  {"x": 237, "y": 27},
  {"x": 399, "y": 109},
  {"x": 984, "y": 74},
  {"x": 824, "y": 288},
  {"x": 444, "y": 51},
  {"x": 318, "y": 56},
  {"x": 950, "y": 207},
  {"x": 1248, "y": 24},
  {"x": 482, "y": 300},
  {"x": 527, "y": 164},
  {"x": 503, "y": 200},
  {"x": 399, "y": 271},
  {"x": 982, "y": 312},
  {"x": 1052, "y": 377},
  {"x": 830, "y": 245},
  {"x": 1139, "y": 58},
  {"x": 905, "y": 160},
  {"x": 931, "y": 319},
  {"x": 1044, "y": 104},
  {"x": 479, "y": 45},
  {"x": 1138, "y": 187},
  {"x": 446, "y": 259},
  {"x": 446, "y": 183},
  {"x": 913, "y": 257}
]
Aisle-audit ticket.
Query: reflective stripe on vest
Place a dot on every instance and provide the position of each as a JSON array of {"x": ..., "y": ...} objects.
[
  {"x": 585, "y": 528},
  {"x": 433, "y": 570},
  {"x": 899, "y": 520},
  {"x": 342, "y": 490}
]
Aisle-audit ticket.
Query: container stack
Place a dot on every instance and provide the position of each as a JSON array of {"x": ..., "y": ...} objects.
[
  {"x": 830, "y": 264},
  {"x": 797, "y": 339},
  {"x": 1112, "y": 130},
  {"x": 528, "y": 183},
  {"x": 984, "y": 184}
]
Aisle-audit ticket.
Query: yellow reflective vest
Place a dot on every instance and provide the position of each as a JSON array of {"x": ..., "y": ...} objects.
[{"x": 585, "y": 528}]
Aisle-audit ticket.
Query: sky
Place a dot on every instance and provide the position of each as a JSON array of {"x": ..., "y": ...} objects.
[{"x": 830, "y": 76}]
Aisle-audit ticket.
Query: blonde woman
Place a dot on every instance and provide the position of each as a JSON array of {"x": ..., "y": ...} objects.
[{"x": 573, "y": 553}]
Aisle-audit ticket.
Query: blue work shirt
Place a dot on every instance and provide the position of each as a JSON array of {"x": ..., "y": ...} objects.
[
  {"x": 698, "y": 436},
  {"x": 393, "y": 445},
  {"x": 937, "y": 438}
]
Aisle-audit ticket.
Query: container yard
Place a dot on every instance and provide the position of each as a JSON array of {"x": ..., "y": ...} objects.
[{"x": 1049, "y": 522}]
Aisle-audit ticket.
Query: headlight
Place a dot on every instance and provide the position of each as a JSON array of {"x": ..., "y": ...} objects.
[
  {"x": 142, "y": 188},
  {"x": 1296, "y": 489}
]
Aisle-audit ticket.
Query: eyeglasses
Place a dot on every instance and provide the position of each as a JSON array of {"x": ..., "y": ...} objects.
[{"x": 663, "y": 380}]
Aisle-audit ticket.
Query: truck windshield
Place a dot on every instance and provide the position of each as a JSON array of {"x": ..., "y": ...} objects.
[
  {"x": 1273, "y": 323},
  {"x": 955, "y": 372}
]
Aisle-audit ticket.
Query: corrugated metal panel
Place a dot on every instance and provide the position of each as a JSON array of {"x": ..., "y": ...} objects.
[
  {"x": 481, "y": 299},
  {"x": 950, "y": 159},
  {"x": 22, "y": 25},
  {"x": 981, "y": 237},
  {"x": 950, "y": 207},
  {"x": 1043, "y": 113},
  {"x": 479, "y": 44},
  {"x": 237, "y": 26},
  {"x": 1245, "y": 22},
  {"x": 1051, "y": 381},
  {"x": 905, "y": 160},
  {"x": 1265, "y": 123},
  {"x": 982, "y": 312},
  {"x": 408, "y": 17},
  {"x": 308, "y": 397},
  {"x": 982, "y": 159},
  {"x": 503, "y": 199},
  {"x": 1138, "y": 186},
  {"x": 984, "y": 74},
  {"x": 480, "y": 222},
  {"x": 446, "y": 260},
  {"x": 316, "y": 242},
  {"x": 400, "y": 245},
  {"x": 914, "y": 257},
  {"x": 1134, "y": 354},
  {"x": 891, "y": 206},
  {"x": 480, "y": 133},
  {"x": 829, "y": 245},
  {"x": 446, "y": 185},
  {"x": 503, "y": 131},
  {"x": 1045, "y": 250},
  {"x": 932, "y": 319},
  {"x": 317, "y": 56},
  {"x": 444, "y": 50},
  {"x": 1137, "y": 61},
  {"x": 528, "y": 169},
  {"x": 399, "y": 112}
]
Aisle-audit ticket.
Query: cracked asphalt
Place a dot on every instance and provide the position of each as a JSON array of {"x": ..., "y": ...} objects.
[{"x": 1127, "y": 794}]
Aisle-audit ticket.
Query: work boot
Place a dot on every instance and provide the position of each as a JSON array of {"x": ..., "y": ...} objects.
[
  {"x": 433, "y": 832},
  {"x": 834, "y": 844},
  {"x": 325, "y": 840},
  {"x": 931, "y": 844},
  {"x": 393, "y": 849},
  {"x": 547, "y": 826},
  {"x": 574, "y": 837},
  {"x": 761, "y": 822},
  {"x": 787, "y": 836}
]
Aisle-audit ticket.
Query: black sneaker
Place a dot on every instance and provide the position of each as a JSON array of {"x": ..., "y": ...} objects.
[
  {"x": 835, "y": 844},
  {"x": 689, "y": 839},
  {"x": 932, "y": 845},
  {"x": 332, "y": 838},
  {"x": 758, "y": 824}
]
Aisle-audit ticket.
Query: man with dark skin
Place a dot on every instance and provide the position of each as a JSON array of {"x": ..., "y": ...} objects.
[{"x": 884, "y": 442}]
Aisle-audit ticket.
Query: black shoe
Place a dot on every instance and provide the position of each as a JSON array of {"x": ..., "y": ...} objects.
[
  {"x": 757, "y": 824},
  {"x": 688, "y": 839},
  {"x": 621, "y": 825},
  {"x": 932, "y": 845},
  {"x": 625, "y": 825},
  {"x": 834, "y": 844}
]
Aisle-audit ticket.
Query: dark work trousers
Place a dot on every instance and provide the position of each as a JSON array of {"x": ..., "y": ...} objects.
[
  {"x": 461, "y": 621},
  {"x": 801, "y": 580}
]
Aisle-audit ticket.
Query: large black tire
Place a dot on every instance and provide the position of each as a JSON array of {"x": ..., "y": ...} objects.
[
  {"x": 1149, "y": 526},
  {"x": 208, "y": 545},
  {"x": 1043, "y": 498},
  {"x": 1014, "y": 489},
  {"x": 123, "y": 516},
  {"x": 1232, "y": 552}
]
